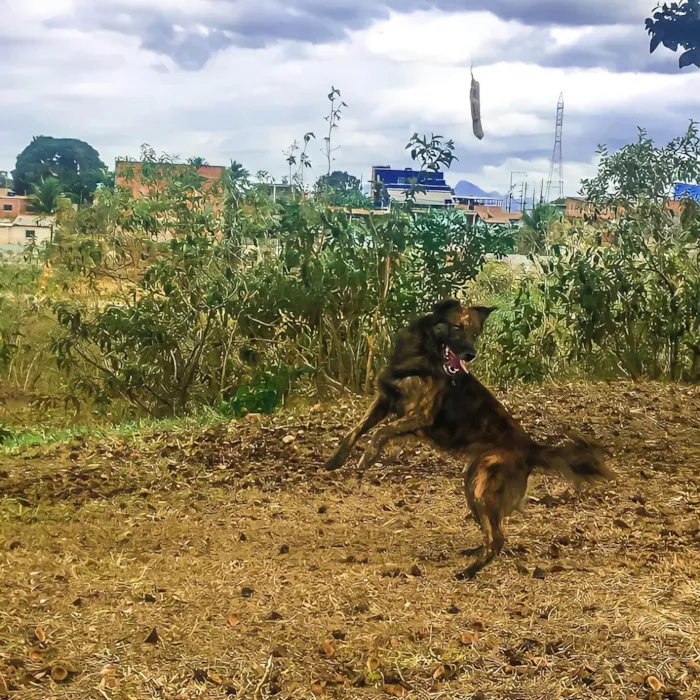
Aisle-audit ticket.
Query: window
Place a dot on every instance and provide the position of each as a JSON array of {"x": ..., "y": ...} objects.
[
  {"x": 7, "y": 207},
  {"x": 401, "y": 181},
  {"x": 29, "y": 234}
]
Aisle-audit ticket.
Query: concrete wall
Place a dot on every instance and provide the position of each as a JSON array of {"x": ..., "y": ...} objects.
[{"x": 17, "y": 235}]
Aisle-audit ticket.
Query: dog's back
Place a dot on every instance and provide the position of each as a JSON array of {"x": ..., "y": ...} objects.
[
  {"x": 472, "y": 419},
  {"x": 470, "y": 415}
]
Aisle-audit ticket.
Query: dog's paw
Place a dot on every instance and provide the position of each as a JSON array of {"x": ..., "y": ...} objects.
[{"x": 333, "y": 464}]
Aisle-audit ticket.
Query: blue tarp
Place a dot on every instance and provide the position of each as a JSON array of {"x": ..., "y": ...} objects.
[{"x": 683, "y": 191}]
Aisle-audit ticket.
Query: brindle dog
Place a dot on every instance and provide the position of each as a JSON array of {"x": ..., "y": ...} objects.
[
  {"x": 470, "y": 421},
  {"x": 427, "y": 355}
]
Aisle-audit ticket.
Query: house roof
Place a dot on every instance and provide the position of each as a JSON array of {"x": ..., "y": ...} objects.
[
  {"x": 494, "y": 215},
  {"x": 208, "y": 172},
  {"x": 504, "y": 218},
  {"x": 37, "y": 221},
  {"x": 5, "y": 192}
]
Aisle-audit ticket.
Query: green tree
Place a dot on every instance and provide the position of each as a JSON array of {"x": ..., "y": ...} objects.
[
  {"x": 343, "y": 190},
  {"x": 630, "y": 306},
  {"x": 637, "y": 182},
  {"x": 108, "y": 178},
  {"x": 677, "y": 25},
  {"x": 45, "y": 197},
  {"x": 197, "y": 161},
  {"x": 642, "y": 170},
  {"x": 340, "y": 181},
  {"x": 536, "y": 228},
  {"x": 75, "y": 164},
  {"x": 304, "y": 160}
]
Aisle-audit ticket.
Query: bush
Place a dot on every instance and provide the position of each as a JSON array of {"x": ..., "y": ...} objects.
[
  {"x": 199, "y": 294},
  {"x": 631, "y": 309},
  {"x": 211, "y": 294},
  {"x": 263, "y": 394}
]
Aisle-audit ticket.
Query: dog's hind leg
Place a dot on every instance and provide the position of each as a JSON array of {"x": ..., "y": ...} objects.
[
  {"x": 494, "y": 539},
  {"x": 375, "y": 413},
  {"x": 484, "y": 488},
  {"x": 473, "y": 551}
]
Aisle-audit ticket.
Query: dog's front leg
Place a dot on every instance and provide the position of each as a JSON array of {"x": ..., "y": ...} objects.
[
  {"x": 401, "y": 428},
  {"x": 374, "y": 414}
]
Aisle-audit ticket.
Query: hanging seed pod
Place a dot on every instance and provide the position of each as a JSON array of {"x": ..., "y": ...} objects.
[{"x": 475, "y": 99}]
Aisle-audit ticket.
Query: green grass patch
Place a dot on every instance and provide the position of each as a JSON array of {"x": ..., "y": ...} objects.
[{"x": 12, "y": 441}]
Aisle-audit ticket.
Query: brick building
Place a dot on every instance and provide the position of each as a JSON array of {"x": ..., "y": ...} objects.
[
  {"x": 12, "y": 205},
  {"x": 129, "y": 175}
]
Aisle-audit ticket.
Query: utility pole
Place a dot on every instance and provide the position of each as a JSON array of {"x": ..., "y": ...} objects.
[
  {"x": 510, "y": 192},
  {"x": 510, "y": 189}
]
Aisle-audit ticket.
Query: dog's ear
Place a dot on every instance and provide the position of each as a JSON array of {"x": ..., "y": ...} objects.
[{"x": 479, "y": 314}]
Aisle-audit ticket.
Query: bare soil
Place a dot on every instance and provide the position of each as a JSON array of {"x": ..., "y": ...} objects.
[{"x": 221, "y": 562}]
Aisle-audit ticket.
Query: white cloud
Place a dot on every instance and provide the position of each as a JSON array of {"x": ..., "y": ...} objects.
[
  {"x": 440, "y": 38},
  {"x": 535, "y": 173}
]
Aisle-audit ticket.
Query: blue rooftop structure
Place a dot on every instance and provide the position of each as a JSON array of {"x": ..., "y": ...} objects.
[
  {"x": 395, "y": 184},
  {"x": 683, "y": 190}
]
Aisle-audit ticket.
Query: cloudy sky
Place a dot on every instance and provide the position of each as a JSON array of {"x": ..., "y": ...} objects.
[{"x": 242, "y": 79}]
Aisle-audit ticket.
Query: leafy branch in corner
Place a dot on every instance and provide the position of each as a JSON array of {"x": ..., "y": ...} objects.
[{"x": 677, "y": 25}]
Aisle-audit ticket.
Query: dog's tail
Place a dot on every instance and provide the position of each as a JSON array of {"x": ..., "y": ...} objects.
[
  {"x": 379, "y": 410},
  {"x": 579, "y": 461}
]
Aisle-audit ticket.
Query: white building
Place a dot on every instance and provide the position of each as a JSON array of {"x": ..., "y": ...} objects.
[{"x": 25, "y": 230}]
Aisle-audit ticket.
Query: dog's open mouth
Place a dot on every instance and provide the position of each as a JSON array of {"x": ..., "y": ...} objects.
[{"x": 453, "y": 363}]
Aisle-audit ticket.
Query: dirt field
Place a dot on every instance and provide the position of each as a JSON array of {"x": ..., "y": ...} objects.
[{"x": 224, "y": 563}]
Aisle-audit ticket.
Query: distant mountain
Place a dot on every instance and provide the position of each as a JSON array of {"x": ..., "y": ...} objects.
[{"x": 464, "y": 188}]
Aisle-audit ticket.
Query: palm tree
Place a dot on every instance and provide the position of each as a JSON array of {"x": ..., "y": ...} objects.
[
  {"x": 107, "y": 177},
  {"x": 536, "y": 227},
  {"x": 45, "y": 197},
  {"x": 197, "y": 161}
]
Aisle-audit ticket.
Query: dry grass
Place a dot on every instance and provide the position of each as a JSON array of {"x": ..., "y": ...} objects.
[{"x": 263, "y": 577}]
